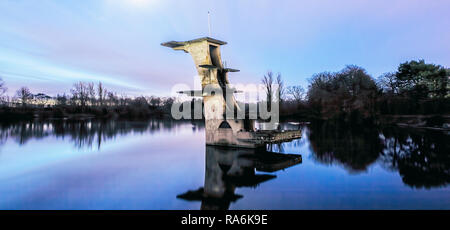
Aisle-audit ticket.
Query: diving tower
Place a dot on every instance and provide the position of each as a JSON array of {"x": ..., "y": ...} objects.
[{"x": 220, "y": 129}]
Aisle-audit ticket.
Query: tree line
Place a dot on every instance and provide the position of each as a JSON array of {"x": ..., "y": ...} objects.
[
  {"x": 351, "y": 94},
  {"x": 85, "y": 98}
]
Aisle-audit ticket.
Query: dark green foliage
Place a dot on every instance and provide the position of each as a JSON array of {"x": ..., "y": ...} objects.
[
  {"x": 421, "y": 80},
  {"x": 416, "y": 88}
]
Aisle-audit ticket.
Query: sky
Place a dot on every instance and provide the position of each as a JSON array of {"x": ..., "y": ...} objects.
[{"x": 49, "y": 45}]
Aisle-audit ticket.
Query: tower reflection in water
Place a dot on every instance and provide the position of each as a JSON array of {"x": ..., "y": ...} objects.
[{"x": 227, "y": 169}]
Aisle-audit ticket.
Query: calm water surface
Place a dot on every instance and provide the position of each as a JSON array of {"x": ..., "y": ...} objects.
[{"x": 166, "y": 165}]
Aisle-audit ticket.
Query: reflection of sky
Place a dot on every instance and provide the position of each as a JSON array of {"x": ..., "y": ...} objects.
[
  {"x": 133, "y": 171},
  {"x": 148, "y": 170},
  {"x": 51, "y": 44}
]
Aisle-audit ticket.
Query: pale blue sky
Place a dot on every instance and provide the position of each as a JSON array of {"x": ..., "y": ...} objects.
[{"x": 49, "y": 45}]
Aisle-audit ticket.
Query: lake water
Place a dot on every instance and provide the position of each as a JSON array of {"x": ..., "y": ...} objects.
[{"x": 166, "y": 165}]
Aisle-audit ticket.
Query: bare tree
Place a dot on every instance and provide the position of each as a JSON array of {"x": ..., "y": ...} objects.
[
  {"x": 389, "y": 83},
  {"x": 2, "y": 91},
  {"x": 296, "y": 92},
  {"x": 155, "y": 101},
  {"x": 80, "y": 94},
  {"x": 267, "y": 81},
  {"x": 2, "y": 87},
  {"x": 61, "y": 99},
  {"x": 102, "y": 93},
  {"x": 281, "y": 91},
  {"x": 167, "y": 103},
  {"x": 91, "y": 93},
  {"x": 112, "y": 98},
  {"x": 24, "y": 94},
  {"x": 124, "y": 100}
]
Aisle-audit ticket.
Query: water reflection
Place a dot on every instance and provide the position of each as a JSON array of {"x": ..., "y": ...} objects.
[
  {"x": 421, "y": 157},
  {"x": 353, "y": 148},
  {"x": 87, "y": 133},
  {"x": 228, "y": 169}
]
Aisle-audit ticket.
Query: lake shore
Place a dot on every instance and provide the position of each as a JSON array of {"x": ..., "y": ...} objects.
[
  {"x": 27, "y": 113},
  {"x": 420, "y": 121}
]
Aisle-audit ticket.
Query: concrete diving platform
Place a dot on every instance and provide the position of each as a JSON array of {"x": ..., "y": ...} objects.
[{"x": 220, "y": 129}]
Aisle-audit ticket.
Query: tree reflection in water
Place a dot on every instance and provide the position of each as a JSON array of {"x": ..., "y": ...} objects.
[
  {"x": 421, "y": 157},
  {"x": 85, "y": 133},
  {"x": 355, "y": 148}
]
